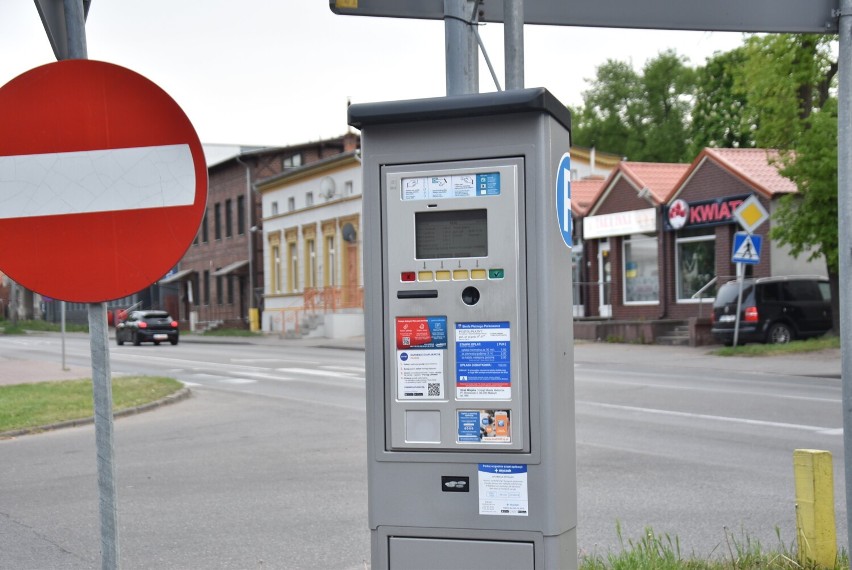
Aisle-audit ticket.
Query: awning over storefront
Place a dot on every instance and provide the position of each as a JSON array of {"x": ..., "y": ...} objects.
[
  {"x": 234, "y": 267},
  {"x": 177, "y": 276}
]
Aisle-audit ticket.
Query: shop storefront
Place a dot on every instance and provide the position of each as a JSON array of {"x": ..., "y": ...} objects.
[{"x": 661, "y": 242}]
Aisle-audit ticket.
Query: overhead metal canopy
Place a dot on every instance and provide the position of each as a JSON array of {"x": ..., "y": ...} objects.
[
  {"x": 177, "y": 276},
  {"x": 793, "y": 16},
  {"x": 230, "y": 268}
]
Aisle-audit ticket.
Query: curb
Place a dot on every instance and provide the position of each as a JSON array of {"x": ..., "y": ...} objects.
[{"x": 181, "y": 394}]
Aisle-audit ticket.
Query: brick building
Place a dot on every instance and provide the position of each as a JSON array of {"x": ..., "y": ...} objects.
[{"x": 219, "y": 281}]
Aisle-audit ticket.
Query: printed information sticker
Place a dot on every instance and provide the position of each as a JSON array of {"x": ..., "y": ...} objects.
[
  {"x": 483, "y": 361},
  {"x": 421, "y": 344},
  {"x": 451, "y": 186},
  {"x": 503, "y": 490},
  {"x": 484, "y": 426}
]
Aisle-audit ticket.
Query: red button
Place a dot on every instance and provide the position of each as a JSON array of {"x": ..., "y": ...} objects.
[{"x": 408, "y": 276}]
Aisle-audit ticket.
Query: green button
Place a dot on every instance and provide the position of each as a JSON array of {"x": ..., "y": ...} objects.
[{"x": 495, "y": 274}]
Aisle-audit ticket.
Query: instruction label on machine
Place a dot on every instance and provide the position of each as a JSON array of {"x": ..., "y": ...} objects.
[
  {"x": 483, "y": 361},
  {"x": 421, "y": 344},
  {"x": 451, "y": 186},
  {"x": 503, "y": 490}
]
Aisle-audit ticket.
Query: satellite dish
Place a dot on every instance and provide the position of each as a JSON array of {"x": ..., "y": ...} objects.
[
  {"x": 349, "y": 233},
  {"x": 327, "y": 188}
]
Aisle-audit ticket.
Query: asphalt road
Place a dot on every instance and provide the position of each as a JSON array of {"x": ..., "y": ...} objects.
[{"x": 265, "y": 465}]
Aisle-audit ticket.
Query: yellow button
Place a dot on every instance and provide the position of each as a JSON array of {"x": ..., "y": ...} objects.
[
  {"x": 424, "y": 276},
  {"x": 478, "y": 274},
  {"x": 442, "y": 275},
  {"x": 460, "y": 275}
]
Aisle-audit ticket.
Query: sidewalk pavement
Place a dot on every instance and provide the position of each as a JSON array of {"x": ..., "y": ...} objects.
[{"x": 826, "y": 363}]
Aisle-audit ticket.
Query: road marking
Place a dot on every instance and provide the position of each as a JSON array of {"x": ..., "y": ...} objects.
[
  {"x": 762, "y": 423},
  {"x": 237, "y": 381},
  {"x": 310, "y": 372}
]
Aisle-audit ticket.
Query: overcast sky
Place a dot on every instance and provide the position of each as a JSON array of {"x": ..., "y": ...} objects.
[{"x": 280, "y": 72}]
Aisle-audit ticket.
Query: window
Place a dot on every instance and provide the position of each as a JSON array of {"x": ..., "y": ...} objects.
[
  {"x": 695, "y": 263},
  {"x": 275, "y": 208},
  {"x": 206, "y": 287},
  {"x": 241, "y": 215},
  {"x": 292, "y": 161},
  {"x": 204, "y": 232},
  {"x": 291, "y": 204},
  {"x": 220, "y": 297},
  {"x": 217, "y": 221},
  {"x": 347, "y": 188},
  {"x": 311, "y": 261},
  {"x": 330, "y": 262},
  {"x": 309, "y": 199},
  {"x": 293, "y": 276},
  {"x": 230, "y": 289},
  {"x": 641, "y": 277},
  {"x": 229, "y": 215},
  {"x": 275, "y": 273}
]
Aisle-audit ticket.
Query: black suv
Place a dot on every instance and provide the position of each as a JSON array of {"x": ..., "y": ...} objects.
[
  {"x": 774, "y": 310},
  {"x": 147, "y": 326}
]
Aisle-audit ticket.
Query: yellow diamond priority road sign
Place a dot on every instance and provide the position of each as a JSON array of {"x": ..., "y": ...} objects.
[{"x": 751, "y": 214}]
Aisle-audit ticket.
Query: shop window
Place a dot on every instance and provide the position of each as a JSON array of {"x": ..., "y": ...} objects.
[
  {"x": 695, "y": 264},
  {"x": 641, "y": 273}
]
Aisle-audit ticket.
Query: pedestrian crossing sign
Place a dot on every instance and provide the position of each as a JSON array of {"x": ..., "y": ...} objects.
[{"x": 746, "y": 248}]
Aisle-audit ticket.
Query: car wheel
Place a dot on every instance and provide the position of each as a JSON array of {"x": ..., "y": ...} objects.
[
  {"x": 779, "y": 333},
  {"x": 118, "y": 341},
  {"x": 173, "y": 341},
  {"x": 136, "y": 341}
]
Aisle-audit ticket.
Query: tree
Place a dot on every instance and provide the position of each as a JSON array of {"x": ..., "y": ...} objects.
[
  {"x": 643, "y": 117},
  {"x": 722, "y": 116},
  {"x": 788, "y": 78}
]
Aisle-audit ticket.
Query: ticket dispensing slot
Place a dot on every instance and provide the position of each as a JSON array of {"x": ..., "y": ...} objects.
[{"x": 457, "y": 380}]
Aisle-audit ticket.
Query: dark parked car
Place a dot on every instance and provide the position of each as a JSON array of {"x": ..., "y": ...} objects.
[
  {"x": 774, "y": 310},
  {"x": 147, "y": 326}
]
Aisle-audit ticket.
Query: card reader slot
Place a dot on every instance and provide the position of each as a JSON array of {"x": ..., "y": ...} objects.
[{"x": 418, "y": 294}]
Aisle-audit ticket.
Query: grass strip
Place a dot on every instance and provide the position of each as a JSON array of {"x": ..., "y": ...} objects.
[
  {"x": 794, "y": 347},
  {"x": 663, "y": 552},
  {"x": 32, "y": 405}
]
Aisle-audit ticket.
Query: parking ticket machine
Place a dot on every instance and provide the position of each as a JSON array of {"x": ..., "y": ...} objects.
[{"x": 468, "y": 324}]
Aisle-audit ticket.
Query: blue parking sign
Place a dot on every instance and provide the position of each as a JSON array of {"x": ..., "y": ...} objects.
[{"x": 563, "y": 199}]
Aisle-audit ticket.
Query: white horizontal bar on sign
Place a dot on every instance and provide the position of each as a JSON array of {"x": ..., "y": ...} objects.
[{"x": 84, "y": 182}]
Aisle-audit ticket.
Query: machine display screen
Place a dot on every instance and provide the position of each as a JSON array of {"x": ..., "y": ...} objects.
[{"x": 454, "y": 233}]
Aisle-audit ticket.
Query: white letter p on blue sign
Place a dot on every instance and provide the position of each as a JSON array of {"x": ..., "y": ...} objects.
[{"x": 563, "y": 198}]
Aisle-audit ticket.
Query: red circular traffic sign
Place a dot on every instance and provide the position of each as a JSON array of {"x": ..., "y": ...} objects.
[{"x": 103, "y": 182}]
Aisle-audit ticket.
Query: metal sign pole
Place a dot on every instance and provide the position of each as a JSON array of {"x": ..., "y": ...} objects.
[
  {"x": 844, "y": 215},
  {"x": 75, "y": 22},
  {"x": 513, "y": 40},
  {"x": 740, "y": 272},
  {"x": 462, "y": 61}
]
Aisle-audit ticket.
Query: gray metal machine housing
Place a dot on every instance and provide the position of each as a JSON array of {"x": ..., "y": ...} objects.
[{"x": 461, "y": 245}]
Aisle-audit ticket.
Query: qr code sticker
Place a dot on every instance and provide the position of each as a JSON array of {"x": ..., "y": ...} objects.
[
  {"x": 406, "y": 341},
  {"x": 434, "y": 388}
]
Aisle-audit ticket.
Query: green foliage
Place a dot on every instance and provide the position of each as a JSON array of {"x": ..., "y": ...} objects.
[
  {"x": 807, "y": 221},
  {"x": 643, "y": 117},
  {"x": 786, "y": 77},
  {"x": 722, "y": 116}
]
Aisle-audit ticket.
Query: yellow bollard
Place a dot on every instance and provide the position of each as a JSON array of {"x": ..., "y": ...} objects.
[{"x": 815, "y": 528}]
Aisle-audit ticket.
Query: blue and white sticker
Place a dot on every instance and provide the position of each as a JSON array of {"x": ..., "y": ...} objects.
[
  {"x": 483, "y": 361},
  {"x": 563, "y": 199},
  {"x": 503, "y": 490}
]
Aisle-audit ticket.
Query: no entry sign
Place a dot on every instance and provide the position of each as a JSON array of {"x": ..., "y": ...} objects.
[{"x": 103, "y": 181}]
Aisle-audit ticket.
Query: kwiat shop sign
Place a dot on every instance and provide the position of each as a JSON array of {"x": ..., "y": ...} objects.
[{"x": 681, "y": 214}]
